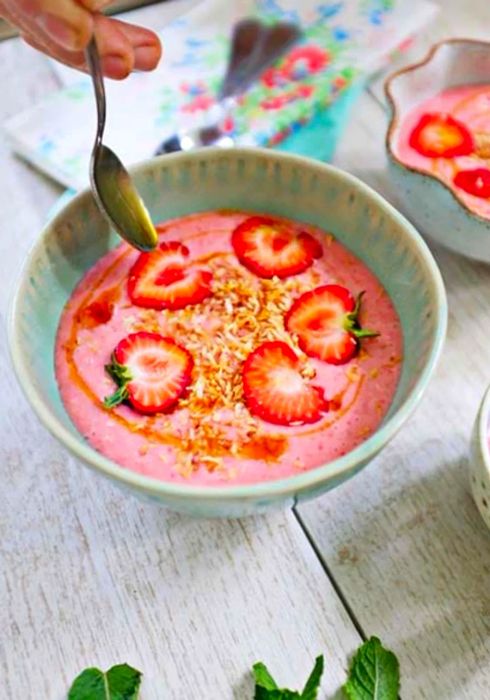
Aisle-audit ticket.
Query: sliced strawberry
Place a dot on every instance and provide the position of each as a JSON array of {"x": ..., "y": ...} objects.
[
  {"x": 275, "y": 390},
  {"x": 475, "y": 182},
  {"x": 164, "y": 279},
  {"x": 326, "y": 321},
  {"x": 151, "y": 371},
  {"x": 272, "y": 248},
  {"x": 441, "y": 136}
]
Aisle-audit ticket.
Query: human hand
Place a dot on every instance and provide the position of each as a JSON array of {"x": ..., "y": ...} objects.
[{"x": 62, "y": 29}]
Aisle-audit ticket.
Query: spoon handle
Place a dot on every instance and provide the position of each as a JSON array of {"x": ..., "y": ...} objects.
[
  {"x": 272, "y": 43},
  {"x": 93, "y": 62},
  {"x": 245, "y": 38}
]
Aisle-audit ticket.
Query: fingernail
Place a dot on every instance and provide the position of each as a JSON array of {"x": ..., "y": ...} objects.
[
  {"x": 116, "y": 67},
  {"x": 146, "y": 57},
  {"x": 61, "y": 32}
]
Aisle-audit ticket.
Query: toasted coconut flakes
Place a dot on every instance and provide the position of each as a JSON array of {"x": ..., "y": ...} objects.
[
  {"x": 128, "y": 322},
  {"x": 185, "y": 466},
  {"x": 352, "y": 373},
  {"x": 143, "y": 450},
  {"x": 308, "y": 372},
  {"x": 374, "y": 373},
  {"x": 362, "y": 354},
  {"x": 482, "y": 145},
  {"x": 242, "y": 313},
  {"x": 363, "y": 432}
]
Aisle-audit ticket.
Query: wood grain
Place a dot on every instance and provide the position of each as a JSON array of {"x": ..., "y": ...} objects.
[
  {"x": 90, "y": 576},
  {"x": 404, "y": 541}
]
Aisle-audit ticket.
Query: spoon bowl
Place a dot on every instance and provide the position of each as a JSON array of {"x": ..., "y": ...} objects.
[{"x": 112, "y": 186}]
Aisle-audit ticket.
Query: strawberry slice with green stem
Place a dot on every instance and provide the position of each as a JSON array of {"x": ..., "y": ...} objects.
[
  {"x": 165, "y": 279},
  {"x": 151, "y": 371},
  {"x": 272, "y": 248},
  {"x": 439, "y": 135},
  {"x": 326, "y": 322},
  {"x": 275, "y": 390}
]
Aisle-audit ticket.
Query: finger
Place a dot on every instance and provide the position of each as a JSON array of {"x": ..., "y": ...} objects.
[
  {"x": 95, "y": 5},
  {"x": 67, "y": 23},
  {"x": 113, "y": 66},
  {"x": 122, "y": 46},
  {"x": 69, "y": 58},
  {"x": 146, "y": 45},
  {"x": 11, "y": 14},
  {"x": 115, "y": 50}
]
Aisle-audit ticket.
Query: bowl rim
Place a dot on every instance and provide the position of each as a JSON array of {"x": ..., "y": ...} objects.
[
  {"x": 482, "y": 426},
  {"x": 273, "y": 488},
  {"x": 395, "y": 118}
]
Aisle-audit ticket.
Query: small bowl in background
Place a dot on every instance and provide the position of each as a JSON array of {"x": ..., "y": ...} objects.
[
  {"x": 434, "y": 208},
  {"x": 480, "y": 459}
]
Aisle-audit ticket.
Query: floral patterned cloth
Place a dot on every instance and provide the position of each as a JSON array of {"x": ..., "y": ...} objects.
[{"x": 341, "y": 42}]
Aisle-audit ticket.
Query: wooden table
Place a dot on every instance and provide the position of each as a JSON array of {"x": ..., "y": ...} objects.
[{"x": 91, "y": 577}]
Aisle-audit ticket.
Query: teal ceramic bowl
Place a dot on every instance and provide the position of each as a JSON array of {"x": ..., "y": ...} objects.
[
  {"x": 480, "y": 459},
  {"x": 250, "y": 179},
  {"x": 435, "y": 208}
]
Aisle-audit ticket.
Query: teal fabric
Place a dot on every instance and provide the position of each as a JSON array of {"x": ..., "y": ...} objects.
[{"x": 320, "y": 136}]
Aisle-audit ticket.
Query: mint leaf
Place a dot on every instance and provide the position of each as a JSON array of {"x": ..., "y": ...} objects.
[
  {"x": 120, "y": 373},
  {"x": 119, "y": 683},
  {"x": 120, "y": 395},
  {"x": 374, "y": 673},
  {"x": 263, "y": 678},
  {"x": 266, "y": 687},
  {"x": 122, "y": 376},
  {"x": 310, "y": 691}
]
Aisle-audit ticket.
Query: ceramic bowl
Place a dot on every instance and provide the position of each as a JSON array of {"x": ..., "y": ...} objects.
[
  {"x": 480, "y": 459},
  {"x": 251, "y": 179},
  {"x": 435, "y": 209}
]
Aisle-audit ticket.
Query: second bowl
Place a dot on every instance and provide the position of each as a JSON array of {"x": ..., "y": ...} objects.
[{"x": 436, "y": 209}]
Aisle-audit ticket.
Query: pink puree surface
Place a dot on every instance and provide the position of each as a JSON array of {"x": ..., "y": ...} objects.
[
  {"x": 377, "y": 369},
  {"x": 471, "y": 106}
]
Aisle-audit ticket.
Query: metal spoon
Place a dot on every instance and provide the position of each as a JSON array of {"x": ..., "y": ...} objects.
[
  {"x": 254, "y": 46},
  {"x": 112, "y": 187}
]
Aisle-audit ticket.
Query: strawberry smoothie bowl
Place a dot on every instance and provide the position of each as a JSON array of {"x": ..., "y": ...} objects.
[
  {"x": 438, "y": 144},
  {"x": 276, "y": 339}
]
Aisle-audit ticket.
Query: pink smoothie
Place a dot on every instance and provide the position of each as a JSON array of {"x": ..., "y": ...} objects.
[
  {"x": 182, "y": 446},
  {"x": 469, "y": 104}
]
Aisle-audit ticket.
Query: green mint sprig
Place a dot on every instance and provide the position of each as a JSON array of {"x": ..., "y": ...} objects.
[
  {"x": 266, "y": 687},
  {"x": 119, "y": 683},
  {"x": 373, "y": 675}
]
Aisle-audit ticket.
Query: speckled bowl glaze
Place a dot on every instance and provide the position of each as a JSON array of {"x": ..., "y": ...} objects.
[
  {"x": 480, "y": 459},
  {"x": 250, "y": 179},
  {"x": 434, "y": 208}
]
